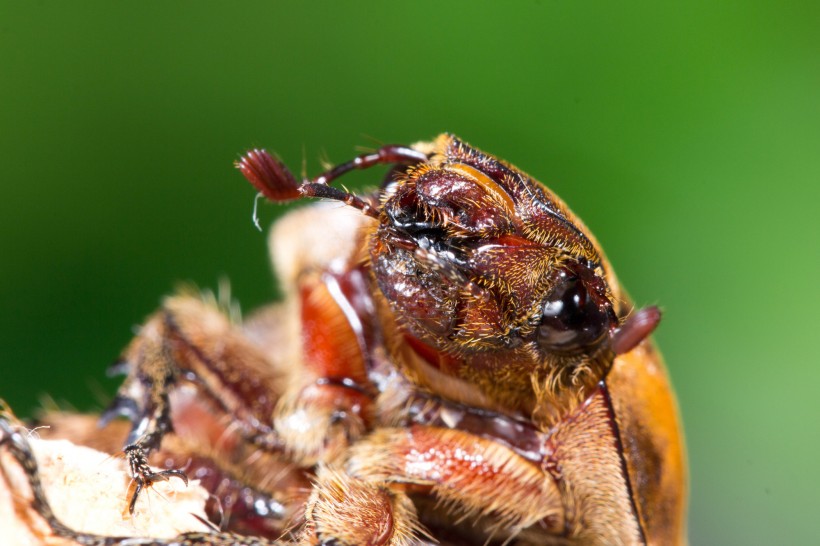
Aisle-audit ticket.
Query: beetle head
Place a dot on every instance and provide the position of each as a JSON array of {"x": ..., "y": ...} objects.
[{"x": 486, "y": 266}]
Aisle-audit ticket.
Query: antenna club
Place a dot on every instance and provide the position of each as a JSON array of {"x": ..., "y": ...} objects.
[{"x": 269, "y": 175}]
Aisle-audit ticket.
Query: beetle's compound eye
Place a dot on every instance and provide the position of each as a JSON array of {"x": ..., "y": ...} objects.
[{"x": 571, "y": 319}]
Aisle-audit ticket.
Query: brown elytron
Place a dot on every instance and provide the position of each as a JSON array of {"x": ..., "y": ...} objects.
[{"x": 454, "y": 362}]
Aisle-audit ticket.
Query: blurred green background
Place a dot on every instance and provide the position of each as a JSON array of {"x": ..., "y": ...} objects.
[{"x": 686, "y": 135}]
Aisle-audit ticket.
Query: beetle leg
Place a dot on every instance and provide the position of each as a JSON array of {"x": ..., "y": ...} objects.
[
  {"x": 346, "y": 511},
  {"x": 475, "y": 477},
  {"x": 189, "y": 342},
  {"x": 157, "y": 369},
  {"x": 332, "y": 404},
  {"x": 15, "y": 441}
]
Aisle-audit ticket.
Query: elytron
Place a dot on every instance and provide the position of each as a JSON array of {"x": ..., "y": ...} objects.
[{"x": 454, "y": 362}]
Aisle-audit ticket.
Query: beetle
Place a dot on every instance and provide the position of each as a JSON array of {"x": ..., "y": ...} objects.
[{"x": 455, "y": 361}]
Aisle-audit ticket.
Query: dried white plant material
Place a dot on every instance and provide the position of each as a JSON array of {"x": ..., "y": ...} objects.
[{"x": 89, "y": 491}]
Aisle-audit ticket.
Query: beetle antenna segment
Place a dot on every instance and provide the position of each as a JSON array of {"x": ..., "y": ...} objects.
[
  {"x": 635, "y": 329},
  {"x": 269, "y": 176},
  {"x": 275, "y": 181}
]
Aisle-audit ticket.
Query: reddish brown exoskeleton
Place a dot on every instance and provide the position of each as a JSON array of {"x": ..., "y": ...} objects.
[{"x": 455, "y": 362}]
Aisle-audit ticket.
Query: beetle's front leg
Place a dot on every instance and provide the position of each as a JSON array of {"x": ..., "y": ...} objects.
[
  {"x": 154, "y": 375},
  {"x": 189, "y": 341},
  {"x": 330, "y": 403},
  {"x": 473, "y": 478},
  {"x": 347, "y": 511},
  {"x": 143, "y": 475},
  {"x": 510, "y": 480},
  {"x": 158, "y": 375},
  {"x": 477, "y": 478}
]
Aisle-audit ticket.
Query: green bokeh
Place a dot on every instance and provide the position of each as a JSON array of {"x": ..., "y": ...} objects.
[{"x": 687, "y": 136}]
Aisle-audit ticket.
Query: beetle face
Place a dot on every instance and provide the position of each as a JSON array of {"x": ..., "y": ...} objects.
[{"x": 484, "y": 264}]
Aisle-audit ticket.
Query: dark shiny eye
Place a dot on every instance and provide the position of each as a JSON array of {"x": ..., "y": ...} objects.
[{"x": 571, "y": 320}]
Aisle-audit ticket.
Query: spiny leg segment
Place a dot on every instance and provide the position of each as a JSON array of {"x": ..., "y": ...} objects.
[{"x": 187, "y": 342}]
